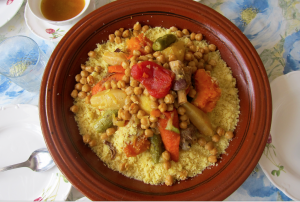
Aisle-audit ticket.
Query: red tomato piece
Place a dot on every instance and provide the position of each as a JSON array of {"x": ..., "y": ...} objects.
[{"x": 156, "y": 79}]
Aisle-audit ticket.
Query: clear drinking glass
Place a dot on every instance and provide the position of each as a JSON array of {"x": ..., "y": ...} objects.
[{"x": 22, "y": 61}]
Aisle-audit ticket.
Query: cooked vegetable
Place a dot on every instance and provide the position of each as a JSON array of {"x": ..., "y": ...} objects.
[
  {"x": 137, "y": 147},
  {"x": 145, "y": 103},
  {"x": 100, "y": 85},
  {"x": 163, "y": 42},
  {"x": 105, "y": 121},
  {"x": 138, "y": 43},
  {"x": 208, "y": 91},
  {"x": 199, "y": 119},
  {"x": 114, "y": 58},
  {"x": 116, "y": 69},
  {"x": 176, "y": 49},
  {"x": 155, "y": 78},
  {"x": 109, "y": 99},
  {"x": 156, "y": 147},
  {"x": 170, "y": 138}
]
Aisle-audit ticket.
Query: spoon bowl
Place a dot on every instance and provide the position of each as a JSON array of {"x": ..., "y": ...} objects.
[{"x": 40, "y": 160}]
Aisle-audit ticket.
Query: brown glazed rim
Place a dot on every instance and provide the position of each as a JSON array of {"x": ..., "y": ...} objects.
[{"x": 245, "y": 149}]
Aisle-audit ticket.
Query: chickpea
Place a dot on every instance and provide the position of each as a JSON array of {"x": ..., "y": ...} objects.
[
  {"x": 200, "y": 65},
  {"x": 126, "y": 107},
  {"x": 166, "y": 66},
  {"x": 192, "y": 64},
  {"x": 209, "y": 146},
  {"x": 179, "y": 34},
  {"x": 166, "y": 155},
  {"x": 161, "y": 59},
  {"x": 121, "y": 30},
  {"x": 148, "y": 133},
  {"x": 172, "y": 57},
  {"x": 167, "y": 165},
  {"x": 185, "y": 32},
  {"x": 137, "y": 26},
  {"x": 88, "y": 99},
  {"x": 169, "y": 99},
  {"x": 111, "y": 37},
  {"x": 135, "y": 33},
  {"x": 184, "y": 117},
  {"x": 84, "y": 73},
  {"x": 118, "y": 33},
  {"x": 205, "y": 57},
  {"x": 86, "y": 138},
  {"x": 169, "y": 180},
  {"x": 89, "y": 69},
  {"x": 160, "y": 100},
  {"x": 229, "y": 135},
  {"x": 78, "y": 86},
  {"x": 145, "y": 122},
  {"x": 153, "y": 125},
  {"x": 128, "y": 72},
  {"x": 181, "y": 110},
  {"x": 143, "y": 58},
  {"x": 153, "y": 119},
  {"x": 146, "y": 92},
  {"x": 183, "y": 125},
  {"x": 128, "y": 100},
  {"x": 110, "y": 131},
  {"x": 74, "y": 109},
  {"x": 126, "y": 79},
  {"x": 97, "y": 69},
  {"x": 92, "y": 54},
  {"x": 154, "y": 105},
  {"x": 202, "y": 141},
  {"x": 118, "y": 40},
  {"x": 129, "y": 90},
  {"x": 83, "y": 80},
  {"x": 215, "y": 138},
  {"x": 170, "y": 107},
  {"x": 145, "y": 28},
  {"x": 163, "y": 107},
  {"x": 212, "y": 47},
  {"x": 156, "y": 54},
  {"x": 90, "y": 80},
  {"x": 77, "y": 77},
  {"x": 74, "y": 93},
  {"x": 193, "y": 48},
  {"x": 125, "y": 65},
  {"x": 86, "y": 88},
  {"x": 208, "y": 68},
  {"x": 121, "y": 84},
  {"x": 173, "y": 29},
  {"x": 134, "y": 108},
  {"x": 82, "y": 66},
  {"x": 82, "y": 95},
  {"x": 206, "y": 50},
  {"x": 113, "y": 84},
  {"x": 189, "y": 56},
  {"x": 192, "y": 36},
  {"x": 136, "y": 52},
  {"x": 107, "y": 85},
  {"x": 212, "y": 159},
  {"x": 198, "y": 37},
  {"x": 93, "y": 143},
  {"x": 104, "y": 136},
  {"x": 192, "y": 93},
  {"x": 134, "y": 83},
  {"x": 120, "y": 113},
  {"x": 214, "y": 151},
  {"x": 138, "y": 90},
  {"x": 126, "y": 115},
  {"x": 126, "y": 34},
  {"x": 148, "y": 49},
  {"x": 220, "y": 131},
  {"x": 212, "y": 62},
  {"x": 198, "y": 55},
  {"x": 134, "y": 99},
  {"x": 141, "y": 113}
]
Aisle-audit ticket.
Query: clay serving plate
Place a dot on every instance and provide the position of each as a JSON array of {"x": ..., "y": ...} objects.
[{"x": 82, "y": 167}]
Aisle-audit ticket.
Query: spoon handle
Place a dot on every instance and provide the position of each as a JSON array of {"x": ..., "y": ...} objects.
[{"x": 24, "y": 164}]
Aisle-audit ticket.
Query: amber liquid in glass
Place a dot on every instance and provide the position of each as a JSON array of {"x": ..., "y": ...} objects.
[{"x": 60, "y": 10}]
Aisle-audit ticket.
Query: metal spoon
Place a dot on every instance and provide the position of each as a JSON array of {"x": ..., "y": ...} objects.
[{"x": 40, "y": 160}]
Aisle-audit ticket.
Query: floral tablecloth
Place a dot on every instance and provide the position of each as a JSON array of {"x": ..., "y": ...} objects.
[{"x": 272, "y": 26}]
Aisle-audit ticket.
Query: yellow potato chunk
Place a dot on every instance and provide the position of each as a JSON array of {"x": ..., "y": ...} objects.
[{"x": 109, "y": 99}]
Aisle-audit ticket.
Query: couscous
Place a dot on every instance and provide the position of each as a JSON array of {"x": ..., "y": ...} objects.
[{"x": 157, "y": 105}]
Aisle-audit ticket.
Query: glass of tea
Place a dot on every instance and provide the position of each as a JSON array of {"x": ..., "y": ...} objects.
[
  {"x": 23, "y": 62},
  {"x": 58, "y": 12}
]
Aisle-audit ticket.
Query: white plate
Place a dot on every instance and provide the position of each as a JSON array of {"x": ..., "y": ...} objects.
[
  {"x": 8, "y": 9},
  {"x": 48, "y": 31},
  {"x": 281, "y": 160},
  {"x": 20, "y": 135}
]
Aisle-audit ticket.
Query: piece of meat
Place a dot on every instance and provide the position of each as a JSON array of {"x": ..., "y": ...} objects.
[
  {"x": 111, "y": 148},
  {"x": 188, "y": 137}
]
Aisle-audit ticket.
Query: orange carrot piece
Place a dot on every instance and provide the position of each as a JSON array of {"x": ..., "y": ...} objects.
[
  {"x": 170, "y": 138},
  {"x": 116, "y": 69},
  {"x": 208, "y": 91},
  {"x": 137, "y": 147},
  {"x": 100, "y": 85},
  {"x": 138, "y": 43}
]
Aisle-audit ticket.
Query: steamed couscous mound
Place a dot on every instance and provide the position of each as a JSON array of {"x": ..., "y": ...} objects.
[{"x": 193, "y": 159}]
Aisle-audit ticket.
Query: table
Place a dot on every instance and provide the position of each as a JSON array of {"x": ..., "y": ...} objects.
[{"x": 272, "y": 27}]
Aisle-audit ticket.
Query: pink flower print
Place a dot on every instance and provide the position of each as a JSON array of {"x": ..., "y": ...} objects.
[
  {"x": 269, "y": 139},
  {"x": 50, "y": 31},
  {"x": 38, "y": 199},
  {"x": 9, "y": 2}
]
